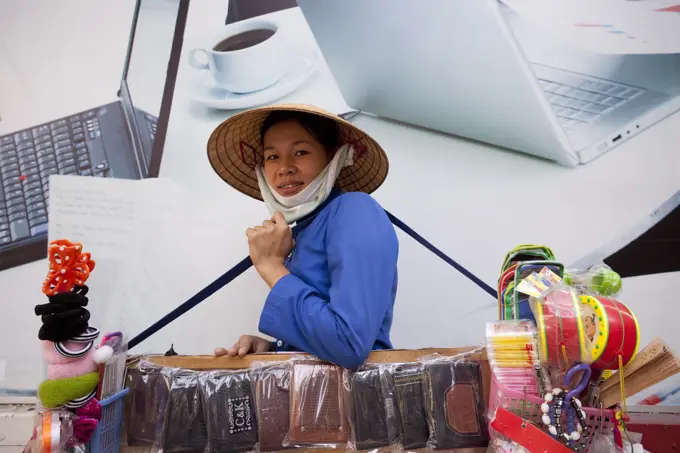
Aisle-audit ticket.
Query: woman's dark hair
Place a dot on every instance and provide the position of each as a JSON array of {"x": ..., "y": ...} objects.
[{"x": 324, "y": 130}]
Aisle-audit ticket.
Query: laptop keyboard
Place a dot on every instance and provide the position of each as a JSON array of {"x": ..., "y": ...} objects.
[
  {"x": 583, "y": 100},
  {"x": 28, "y": 158}
]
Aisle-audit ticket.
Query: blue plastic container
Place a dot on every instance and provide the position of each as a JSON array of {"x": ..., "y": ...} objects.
[{"x": 106, "y": 437}]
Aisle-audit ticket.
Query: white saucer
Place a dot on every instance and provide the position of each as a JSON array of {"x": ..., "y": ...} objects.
[{"x": 207, "y": 93}]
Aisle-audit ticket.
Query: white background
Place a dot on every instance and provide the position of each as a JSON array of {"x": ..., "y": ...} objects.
[{"x": 470, "y": 200}]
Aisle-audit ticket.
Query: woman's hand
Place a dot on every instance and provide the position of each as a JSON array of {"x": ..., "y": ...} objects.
[
  {"x": 247, "y": 344},
  {"x": 269, "y": 246}
]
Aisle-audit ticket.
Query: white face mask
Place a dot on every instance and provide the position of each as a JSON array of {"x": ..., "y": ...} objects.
[{"x": 308, "y": 199}]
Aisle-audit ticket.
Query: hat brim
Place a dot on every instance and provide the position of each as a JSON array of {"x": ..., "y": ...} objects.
[{"x": 235, "y": 149}]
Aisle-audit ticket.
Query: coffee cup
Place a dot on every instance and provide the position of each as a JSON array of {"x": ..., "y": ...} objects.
[{"x": 246, "y": 57}]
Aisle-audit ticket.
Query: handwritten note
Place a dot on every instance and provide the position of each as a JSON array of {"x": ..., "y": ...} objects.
[
  {"x": 96, "y": 212},
  {"x": 147, "y": 237}
]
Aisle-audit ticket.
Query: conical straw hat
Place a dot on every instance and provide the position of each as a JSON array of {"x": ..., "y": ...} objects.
[{"x": 235, "y": 148}]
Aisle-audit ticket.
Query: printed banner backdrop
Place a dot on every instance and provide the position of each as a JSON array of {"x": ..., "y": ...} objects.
[{"x": 471, "y": 200}]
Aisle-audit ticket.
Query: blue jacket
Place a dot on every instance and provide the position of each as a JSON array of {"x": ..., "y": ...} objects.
[{"x": 338, "y": 299}]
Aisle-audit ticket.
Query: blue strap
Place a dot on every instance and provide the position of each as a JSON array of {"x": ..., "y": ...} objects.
[
  {"x": 408, "y": 230},
  {"x": 242, "y": 266}
]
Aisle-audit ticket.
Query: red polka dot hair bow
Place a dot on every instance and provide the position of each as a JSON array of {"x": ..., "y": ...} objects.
[{"x": 69, "y": 267}]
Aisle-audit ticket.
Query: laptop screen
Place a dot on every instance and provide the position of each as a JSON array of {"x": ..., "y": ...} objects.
[{"x": 146, "y": 67}]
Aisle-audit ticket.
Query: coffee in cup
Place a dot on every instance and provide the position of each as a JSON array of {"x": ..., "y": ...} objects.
[
  {"x": 247, "y": 56},
  {"x": 244, "y": 40}
]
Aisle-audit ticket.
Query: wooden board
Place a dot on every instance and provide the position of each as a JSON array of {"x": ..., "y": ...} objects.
[{"x": 209, "y": 362}]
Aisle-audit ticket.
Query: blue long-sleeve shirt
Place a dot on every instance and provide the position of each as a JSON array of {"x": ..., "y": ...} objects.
[{"x": 337, "y": 302}]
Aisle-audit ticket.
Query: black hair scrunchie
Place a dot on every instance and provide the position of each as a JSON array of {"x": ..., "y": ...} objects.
[
  {"x": 53, "y": 309},
  {"x": 63, "y": 302},
  {"x": 66, "y": 329},
  {"x": 52, "y": 319}
]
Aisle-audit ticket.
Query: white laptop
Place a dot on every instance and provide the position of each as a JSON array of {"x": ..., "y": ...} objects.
[{"x": 455, "y": 66}]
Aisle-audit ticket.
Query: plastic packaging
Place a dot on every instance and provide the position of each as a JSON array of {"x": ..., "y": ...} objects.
[
  {"x": 599, "y": 280},
  {"x": 512, "y": 349},
  {"x": 149, "y": 392},
  {"x": 603, "y": 443},
  {"x": 229, "y": 411},
  {"x": 52, "y": 432},
  {"x": 185, "y": 428},
  {"x": 369, "y": 413},
  {"x": 583, "y": 328},
  {"x": 402, "y": 385},
  {"x": 112, "y": 370},
  {"x": 522, "y": 307},
  {"x": 454, "y": 396},
  {"x": 501, "y": 445},
  {"x": 318, "y": 405},
  {"x": 271, "y": 383},
  {"x": 560, "y": 327}
]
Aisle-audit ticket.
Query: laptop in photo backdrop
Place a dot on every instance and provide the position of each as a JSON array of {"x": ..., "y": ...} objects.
[
  {"x": 121, "y": 139},
  {"x": 473, "y": 80}
]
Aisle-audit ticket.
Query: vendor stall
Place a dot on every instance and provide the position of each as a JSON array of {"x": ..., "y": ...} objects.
[{"x": 546, "y": 379}]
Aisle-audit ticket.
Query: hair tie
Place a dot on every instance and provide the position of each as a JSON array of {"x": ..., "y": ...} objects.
[
  {"x": 64, "y": 330},
  {"x": 87, "y": 337},
  {"x": 69, "y": 267},
  {"x": 55, "y": 318},
  {"x": 75, "y": 297},
  {"x": 82, "y": 401},
  {"x": 90, "y": 334},
  {"x": 61, "y": 348},
  {"x": 52, "y": 309}
]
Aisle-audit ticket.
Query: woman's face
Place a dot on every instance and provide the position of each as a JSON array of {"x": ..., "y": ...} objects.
[{"x": 292, "y": 158}]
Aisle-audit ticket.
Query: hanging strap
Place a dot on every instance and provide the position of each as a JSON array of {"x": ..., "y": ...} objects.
[
  {"x": 242, "y": 266},
  {"x": 408, "y": 230}
]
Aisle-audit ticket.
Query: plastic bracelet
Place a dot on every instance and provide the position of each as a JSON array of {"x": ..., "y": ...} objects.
[{"x": 553, "y": 408}]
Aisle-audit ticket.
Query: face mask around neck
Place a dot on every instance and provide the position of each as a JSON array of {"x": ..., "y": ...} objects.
[{"x": 307, "y": 200}]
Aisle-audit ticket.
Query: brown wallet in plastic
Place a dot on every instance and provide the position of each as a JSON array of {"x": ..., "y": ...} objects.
[
  {"x": 317, "y": 403},
  {"x": 272, "y": 396},
  {"x": 459, "y": 422}
]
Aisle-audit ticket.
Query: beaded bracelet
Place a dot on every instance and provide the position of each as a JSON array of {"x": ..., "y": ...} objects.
[{"x": 552, "y": 418}]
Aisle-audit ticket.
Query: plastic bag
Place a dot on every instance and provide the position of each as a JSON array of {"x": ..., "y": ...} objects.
[
  {"x": 112, "y": 371},
  {"x": 370, "y": 415},
  {"x": 318, "y": 405},
  {"x": 402, "y": 385},
  {"x": 271, "y": 383},
  {"x": 185, "y": 428},
  {"x": 560, "y": 327},
  {"x": 502, "y": 445},
  {"x": 603, "y": 443},
  {"x": 512, "y": 349},
  {"x": 148, "y": 397},
  {"x": 599, "y": 280},
  {"x": 454, "y": 396},
  {"x": 229, "y": 410},
  {"x": 52, "y": 432}
]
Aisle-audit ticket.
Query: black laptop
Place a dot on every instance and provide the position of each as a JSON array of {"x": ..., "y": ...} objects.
[{"x": 123, "y": 139}]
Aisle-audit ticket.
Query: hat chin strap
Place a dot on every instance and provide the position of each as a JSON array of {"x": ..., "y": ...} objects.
[{"x": 307, "y": 200}]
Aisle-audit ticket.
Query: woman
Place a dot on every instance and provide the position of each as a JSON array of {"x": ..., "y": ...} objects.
[{"x": 333, "y": 282}]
